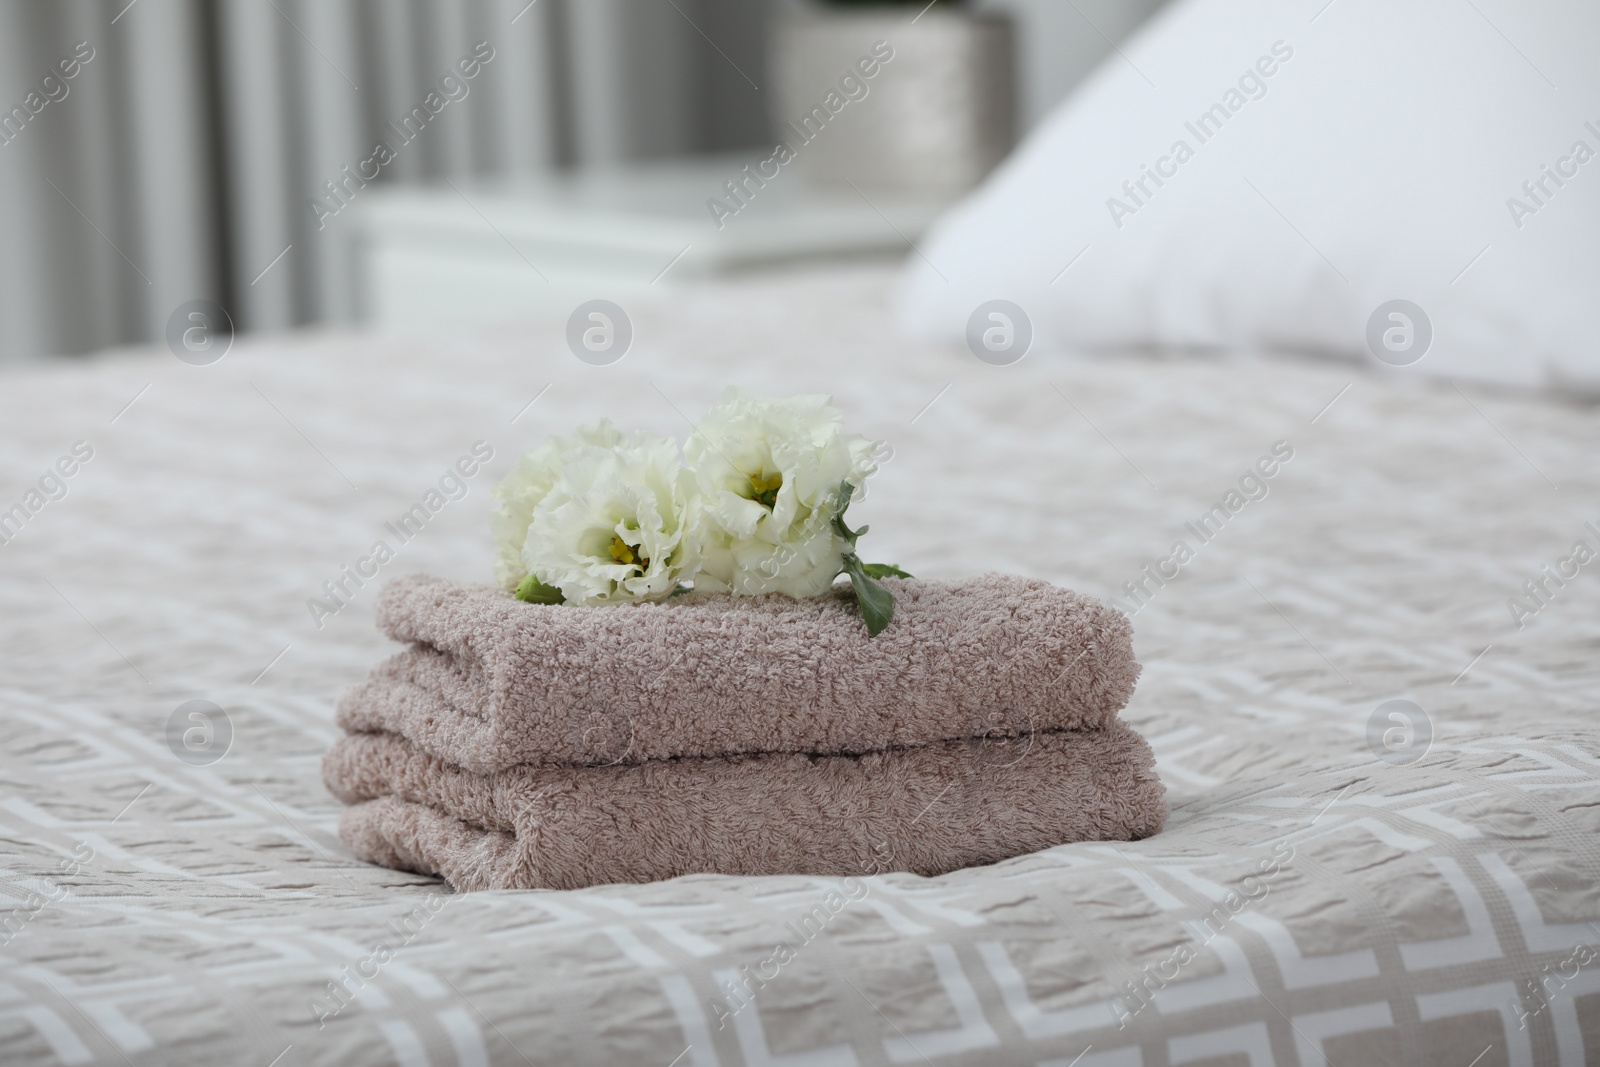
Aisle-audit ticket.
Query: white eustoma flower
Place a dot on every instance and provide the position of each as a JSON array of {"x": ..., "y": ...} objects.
[
  {"x": 617, "y": 523},
  {"x": 769, "y": 472},
  {"x": 528, "y": 483}
]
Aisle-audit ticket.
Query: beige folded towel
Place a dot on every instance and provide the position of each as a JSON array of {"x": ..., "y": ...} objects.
[
  {"x": 929, "y": 809},
  {"x": 493, "y": 682}
]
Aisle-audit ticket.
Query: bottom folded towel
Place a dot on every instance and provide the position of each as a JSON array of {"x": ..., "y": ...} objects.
[{"x": 929, "y": 810}]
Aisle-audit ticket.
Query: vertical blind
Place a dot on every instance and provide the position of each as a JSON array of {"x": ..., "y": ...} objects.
[{"x": 186, "y": 155}]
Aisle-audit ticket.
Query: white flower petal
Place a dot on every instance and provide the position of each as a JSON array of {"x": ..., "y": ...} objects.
[
  {"x": 615, "y": 523},
  {"x": 790, "y": 547},
  {"x": 529, "y": 482}
]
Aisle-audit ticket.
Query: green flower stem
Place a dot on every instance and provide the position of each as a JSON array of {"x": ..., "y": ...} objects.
[{"x": 876, "y": 602}]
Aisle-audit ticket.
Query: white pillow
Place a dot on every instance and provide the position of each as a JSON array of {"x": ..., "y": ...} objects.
[{"x": 1357, "y": 152}]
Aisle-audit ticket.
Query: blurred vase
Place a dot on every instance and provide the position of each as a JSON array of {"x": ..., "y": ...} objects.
[{"x": 922, "y": 107}]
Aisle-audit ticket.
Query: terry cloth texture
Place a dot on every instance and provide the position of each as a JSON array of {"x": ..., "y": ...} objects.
[
  {"x": 491, "y": 682},
  {"x": 929, "y": 809}
]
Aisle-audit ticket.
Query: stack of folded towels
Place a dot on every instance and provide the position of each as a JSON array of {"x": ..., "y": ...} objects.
[{"x": 516, "y": 745}]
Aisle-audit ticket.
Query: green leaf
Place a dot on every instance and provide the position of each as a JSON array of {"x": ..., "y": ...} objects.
[
  {"x": 884, "y": 570},
  {"x": 876, "y": 602},
  {"x": 534, "y": 591},
  {"x": 679, "y": 590}
]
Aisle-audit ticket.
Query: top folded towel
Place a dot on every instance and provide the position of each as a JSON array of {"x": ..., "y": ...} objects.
[{"x": 492, "y": 682}]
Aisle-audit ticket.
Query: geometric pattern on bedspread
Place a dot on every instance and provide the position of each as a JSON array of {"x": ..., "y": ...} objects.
[
  {"x": 1367, "y": 915},
  {"x": 204, "y": 923}
]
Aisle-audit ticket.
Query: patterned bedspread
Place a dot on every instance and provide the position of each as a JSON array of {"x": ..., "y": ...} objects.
[{"x": 1371, "y": 679}]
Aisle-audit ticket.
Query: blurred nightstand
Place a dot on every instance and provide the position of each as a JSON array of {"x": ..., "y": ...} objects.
[{"x": 480, "y": 253}]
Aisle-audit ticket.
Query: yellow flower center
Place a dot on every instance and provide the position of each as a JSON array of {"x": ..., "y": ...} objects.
[
  {"x": 623, "y": 552},
  {"x": 764, "y": 489}
]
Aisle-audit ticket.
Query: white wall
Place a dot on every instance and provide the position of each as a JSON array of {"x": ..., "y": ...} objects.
[{"x": 1061, "y": 41}]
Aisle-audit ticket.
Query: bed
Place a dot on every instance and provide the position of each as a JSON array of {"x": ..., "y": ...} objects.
[{"x": 1343, "y": 878}]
